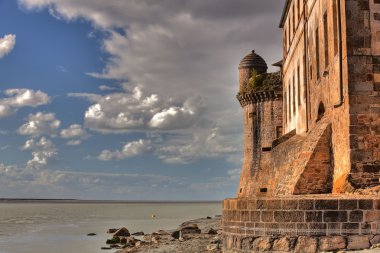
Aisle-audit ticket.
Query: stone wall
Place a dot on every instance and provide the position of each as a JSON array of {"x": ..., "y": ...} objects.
[
  {"x": 252, "y": 223},
  {"x": 364, "y": 78},
  {"x": 261, "y": 120}
]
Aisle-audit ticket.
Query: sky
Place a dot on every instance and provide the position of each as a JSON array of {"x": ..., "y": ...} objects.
[{"x": 126, "y": 99}]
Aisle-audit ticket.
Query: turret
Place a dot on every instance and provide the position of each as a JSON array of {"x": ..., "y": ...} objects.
[
  {"x": 251, "y": 62},
  {"x": 261, "y": 100}
]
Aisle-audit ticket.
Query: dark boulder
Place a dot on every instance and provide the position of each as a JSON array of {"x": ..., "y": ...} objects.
[{"x": 122, "y": 232}]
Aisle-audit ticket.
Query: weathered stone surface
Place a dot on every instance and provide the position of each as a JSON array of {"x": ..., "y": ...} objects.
[
  {"x": 331, "y": 243},
  {"x": 122, "y": 232},
  {"x": 306, "y": 244},
  {"x": 282, "y": 244},
  {"x": 375, "y": 240},
  {"x": 247, "y": 243},
  {"x": 262, "y": 244},
  {"x": 357, "y": 242}
]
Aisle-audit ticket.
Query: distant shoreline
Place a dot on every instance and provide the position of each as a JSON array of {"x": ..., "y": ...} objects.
[{"x": 79, "y": 201}]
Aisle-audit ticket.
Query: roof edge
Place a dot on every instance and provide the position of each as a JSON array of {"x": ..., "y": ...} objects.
[{"x": 284, "y": 13}]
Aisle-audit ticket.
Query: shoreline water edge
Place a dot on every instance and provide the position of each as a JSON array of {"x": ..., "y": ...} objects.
[{"x": 199, "y": 235}]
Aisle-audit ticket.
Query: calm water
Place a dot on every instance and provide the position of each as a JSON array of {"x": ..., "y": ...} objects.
[{"x": 62, "y": 227}]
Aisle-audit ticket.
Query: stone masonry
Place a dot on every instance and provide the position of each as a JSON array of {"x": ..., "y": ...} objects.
[{"x": 311, "y": 135}]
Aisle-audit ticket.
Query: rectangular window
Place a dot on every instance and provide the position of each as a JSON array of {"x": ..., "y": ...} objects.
[
  {"x": 278, "y": 132},
  {"x": 285, "y": 108},
  {"x": 294, "y": 94},
  {"x": 335, "y": 26},
  {"x": 317, "y": 52},
  {"x": 266, "y": 149},
  {"x": 299, "y": 9},
  {"x": 294, "y": 17},
  {"x": 298, "y": 86},
  {"x": 290, "y": 108},
  {"x": 286, "y": 41},
  {"x": 326, "y": 38},
  {"x": 290, "y": 31}
]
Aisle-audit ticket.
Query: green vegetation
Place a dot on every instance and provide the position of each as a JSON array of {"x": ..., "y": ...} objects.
[
  {"x": 256, "y": 80},
  {"x": 259, "y": 82}
]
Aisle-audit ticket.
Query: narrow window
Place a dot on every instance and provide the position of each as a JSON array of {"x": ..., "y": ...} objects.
[
  {"x": 317, "y": 52},
  {"x": 266, "y": 149},
  {"x": 326, "y": 34},
  {"x": 289, "y": 109},
  {"x": 286, "y": 41},
  {"x": 294, "y": 17},
  {"x": 278, "y": 131},
  {"x": 285, "y": 108},
  {"x": 290, "y": 30},
  {"x": 335, "y": 26},
  {"x": 298, "y": 86},
  {"x": 299, "y": 9},
  {"x": 377, "y": 37},
  {"x": 294, "y": 94}
]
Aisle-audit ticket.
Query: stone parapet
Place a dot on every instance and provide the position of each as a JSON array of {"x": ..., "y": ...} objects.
[
  {"x": 256, "y": 97},
  {"x": 303, "y": 216}
]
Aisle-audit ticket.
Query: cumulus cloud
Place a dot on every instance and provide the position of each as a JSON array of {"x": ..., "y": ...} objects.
[
  {"x": 7, "y": 44},
  {"x": 176, "y": 50},
  {"x": 73, "y": 131},
  {"x": 130, "y": 149},
  {"x": 43, "y": 152},
  {"x": 134, "y": 111},
  {"x": 40, "y": 124},
  {"x": 18, "y": 98}
]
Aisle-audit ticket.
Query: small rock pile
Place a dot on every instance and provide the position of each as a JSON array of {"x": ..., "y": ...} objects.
[{"x": 201, "y": 235}]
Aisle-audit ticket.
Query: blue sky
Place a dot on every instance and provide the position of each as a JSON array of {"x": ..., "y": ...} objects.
[{"x": 126, "y": 99}]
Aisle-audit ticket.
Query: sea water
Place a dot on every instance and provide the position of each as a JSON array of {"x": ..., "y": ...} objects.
[{"x": 63, "y": 227}]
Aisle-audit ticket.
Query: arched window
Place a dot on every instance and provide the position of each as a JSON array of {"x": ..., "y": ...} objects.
[{"x": 321, "y": 111}]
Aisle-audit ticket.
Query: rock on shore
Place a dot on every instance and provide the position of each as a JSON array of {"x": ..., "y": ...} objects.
[{"x": 200, "y": 235}]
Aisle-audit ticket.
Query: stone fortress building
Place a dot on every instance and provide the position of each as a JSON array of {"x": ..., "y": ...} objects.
[{"x": 311, "y": 170}]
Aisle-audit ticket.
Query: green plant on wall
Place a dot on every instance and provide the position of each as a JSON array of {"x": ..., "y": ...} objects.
[{"x": 256, "y": 80}]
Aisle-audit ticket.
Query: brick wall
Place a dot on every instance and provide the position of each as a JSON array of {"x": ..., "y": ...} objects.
[
  {"x": 364, "y": 97},
  {"x": 317, "y": 216}
]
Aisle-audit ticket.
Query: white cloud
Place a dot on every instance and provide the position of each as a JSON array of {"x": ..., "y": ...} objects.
[
  {"x": 134, "y": 111},
  {"x": 7, "y": 44},
  {"x": 202, "y": 144},
  {"x": 88, "y": 96},
  {"x": 73, "y": 131},
  {"x": 106, "y": 88},
  {"x": 177, "y": 117},
  {"x": 40, "y": 124},
  {"x": 73, "y": 142},
  {"x": 177, "y": 51},
  {"x": 43, "y": 152},
  {"x": 130, "y": 149},
  {"x": 18, "y": 98}
]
